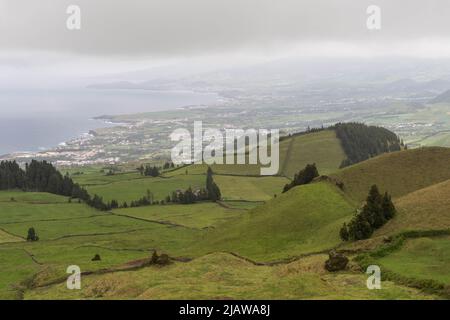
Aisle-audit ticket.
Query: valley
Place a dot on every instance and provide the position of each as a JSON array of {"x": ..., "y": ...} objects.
[{"x": 256, "y": 242}]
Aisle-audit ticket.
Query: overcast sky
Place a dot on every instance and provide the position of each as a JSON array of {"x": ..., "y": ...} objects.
[{"x": 129, "y": 34}]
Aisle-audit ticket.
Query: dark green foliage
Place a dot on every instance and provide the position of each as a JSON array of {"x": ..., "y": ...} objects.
[
  {"x": 388, "y": 207},
  {"x": 343, "y": 233},
  {"x": 11, "y": 176},
  {"x": 304, "y": 176},
  {"x": 375, "y": 213},
  {"x": 188, "y": 196},
  {"x": 42, "y": 176},
  {"x": 96, "y": 258},
  {"x": 148, "y": 170},
  {"x": 213, "y": 190},
  {"x": 114, "y": 204},
  {"x": 361, "y": 142},
  {"x": 32, "y": 235}
]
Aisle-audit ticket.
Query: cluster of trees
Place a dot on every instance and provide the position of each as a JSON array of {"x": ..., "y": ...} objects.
[
  {"x": 304, "y": 176},
  {"x": 188, "y": 196},
  {"x": 148, "y": 170},
  {"x": 42, "y": 176},
  {"x": 11, "y": 176},
  {"x": 375, "y": 213},
  {"x": 361, "y": 142}
]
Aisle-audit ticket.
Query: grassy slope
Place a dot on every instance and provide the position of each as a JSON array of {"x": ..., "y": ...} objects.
[
  {"x": 322, "y": 148},
  {"x": 249, "y": 188},
  {"x": 86, "y": 232},
  {"x": 129, "y": 190},
  {"x": 399, "y": 173},
  {"x": 222, "y": 276},
  {"x": 424, "y": 209},
  {"x": 305, "y": 219},
  {"x": 422, "y": 258},
  {"x": 201, "y": 215}
]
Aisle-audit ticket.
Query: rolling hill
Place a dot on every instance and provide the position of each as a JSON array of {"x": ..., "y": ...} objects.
[
  {"x": 224, "y": 276},
  {"x": 424, "y": 209},
  {"x": 398, "y": 173},
  {"x": 305, "y": 219}
]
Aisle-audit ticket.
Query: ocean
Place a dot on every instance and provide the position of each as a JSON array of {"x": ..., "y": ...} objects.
[{"x": 39, "y": 120}]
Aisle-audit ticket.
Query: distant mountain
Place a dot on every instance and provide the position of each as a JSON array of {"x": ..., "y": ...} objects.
[{"x": 442, "y": 98}]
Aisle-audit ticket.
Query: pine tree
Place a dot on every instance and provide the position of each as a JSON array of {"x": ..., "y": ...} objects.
[
  {"x": 343, "y": 233},
  {"x": 32, "y": 236},
  {"x": 388, "y": 207},
  {"x": 212, "y": 188}
]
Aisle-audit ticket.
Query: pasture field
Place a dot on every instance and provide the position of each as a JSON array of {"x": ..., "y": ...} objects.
[
  {"x": 200, "y": 215},
  {"x": 6, "y": 237},
  {"x": 398, "y": 173},
  {"x": 30, "y": 197},
  {"x": 134, "y": 189},
  {"x": 100, "y": 178},
  {"x": 249, "y": 188},
  {"x": 223, "y": 276},
  {"x": 322, "y": 148},
  {"x": 425, "y": 209},
  {"x": 421, "y": 258},
  {"x": 306, "y": 219},
  {"x": 20, "y": 212},
  {"x": 244, "y": 205},
  {"x": 250, "y": 245}
]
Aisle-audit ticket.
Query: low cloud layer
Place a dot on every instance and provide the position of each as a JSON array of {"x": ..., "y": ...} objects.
[{"x": 168, "y": 28}]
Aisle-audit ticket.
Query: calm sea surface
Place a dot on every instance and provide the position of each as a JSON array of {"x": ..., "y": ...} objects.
[{"x": 33, "y": 121}]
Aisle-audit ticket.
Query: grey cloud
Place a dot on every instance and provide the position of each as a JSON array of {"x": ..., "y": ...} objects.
[{"x": 184, "y": 27}]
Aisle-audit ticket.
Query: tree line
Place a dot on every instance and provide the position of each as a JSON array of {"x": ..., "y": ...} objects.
[
  {"x": 361, "y": 142},
  {"x": 42, "y": 176}
]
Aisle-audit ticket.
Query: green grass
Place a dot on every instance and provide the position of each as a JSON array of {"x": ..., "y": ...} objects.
[
  {"x": 200, "y": 215},
  {"x": 305, "y": 219},
  {"x": 30, "y": 197},
  {"x": 398, "y": 173},
  {"x": 424, "y": 209},
  {"x": 245, "y": 205},
  {"x": 98, "y": 178},
  {"x": 129, "y": 190},
  {"x": 16, "y": 266},
  {"x": 27, "y": 212},
  {"x": 421, "y": 258},
  {"x": 100, "y": 224},
  {"x": 6, "y": 237},
  {"x": 222, "y": 276},
  {"x": 249, "y": 188},
  {"x": 322, "y": 148}
]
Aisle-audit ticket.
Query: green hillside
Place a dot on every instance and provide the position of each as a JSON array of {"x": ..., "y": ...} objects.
[
  {"x": 200, "y": 215},
  {"x": 133, "y": 189},
  {"x": 223, "y": 276},
  {"x": 322, "y": 148},
  {"x": 249, "y": 188},
  {"x": 422, "y": 258},
  {"x": 398, "y": 173},
  {"x": 424, "y": 209},
  {"x": 305, "y": 219}
]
